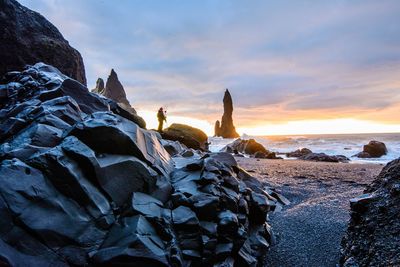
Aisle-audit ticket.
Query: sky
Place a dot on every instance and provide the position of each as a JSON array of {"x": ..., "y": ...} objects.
[{"x": 292, "y": 67}]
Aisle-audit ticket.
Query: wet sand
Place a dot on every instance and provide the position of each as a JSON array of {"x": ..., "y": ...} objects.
[{"x": 309, "y": 231}]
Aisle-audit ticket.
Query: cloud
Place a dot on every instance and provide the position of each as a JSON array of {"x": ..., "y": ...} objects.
[{"x": 282, "y": 60}]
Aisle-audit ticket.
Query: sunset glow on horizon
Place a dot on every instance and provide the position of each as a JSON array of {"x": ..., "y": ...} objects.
[{"x": 303, "y": 127}]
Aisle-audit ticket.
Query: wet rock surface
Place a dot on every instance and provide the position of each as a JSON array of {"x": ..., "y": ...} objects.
[
  {"x": 324, "y": 157},
  {"x": 298, "y": 153},
  {"x": 373, "y": 233},
  {"x": 307, "y": 154},
  {"x": 226, "y": 129},
  {"x": 374, "y": 149},
  {"x": 187, "y": 135},
  {"x": 27, "y": 38},
  {"x": 81, "y": 185},
  {"x": 250, "y": 147}
]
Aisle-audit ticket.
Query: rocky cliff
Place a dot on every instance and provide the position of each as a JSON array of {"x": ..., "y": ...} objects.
[
  {"x": 226, "y": 129},
  {"x": 81, "y": 184},
  {"x": 373, "y": 234},
  {"x": 28, "y": 38}
]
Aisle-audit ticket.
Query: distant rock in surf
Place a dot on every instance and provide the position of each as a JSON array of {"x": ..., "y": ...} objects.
[
  {"x": 298, "y": 153},
  {"x": 374, "y": 149},
  {"x": 27, "y": 38},
  {"x": 250, "y": 147},
  {"x": 226, "y": 129},
  {"x": 324, "y": 157}
]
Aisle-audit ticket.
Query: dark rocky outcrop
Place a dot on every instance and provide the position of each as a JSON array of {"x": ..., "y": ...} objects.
[
  {"x": 250, "y": 147},
  {"x": 373, "y": 234},
  {"x": 187, "y": 135},
  {"x": 298, "y": 153},
  {"x": 324, "y": 157},
  {"x": 374, "y": 149},
  {"x": 115, "y": 91},
  {"x": 226, "y": 129},
  {"x": 307, "y": 154},
  {"x": 81, "y": 185},
  {"x": 27, "y": 38}
]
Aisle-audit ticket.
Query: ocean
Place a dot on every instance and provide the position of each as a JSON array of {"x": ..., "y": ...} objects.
[{"x": 331, "y": 144}]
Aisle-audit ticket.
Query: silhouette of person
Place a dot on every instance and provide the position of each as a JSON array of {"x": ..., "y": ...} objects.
[{"x": 161, "y": 118}]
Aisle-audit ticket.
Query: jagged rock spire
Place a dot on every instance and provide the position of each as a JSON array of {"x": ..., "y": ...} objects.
[
  {"x": 115, "y": 90},
  {"x": 226, "y": 129}
]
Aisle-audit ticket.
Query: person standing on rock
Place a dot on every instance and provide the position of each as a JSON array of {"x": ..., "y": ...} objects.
[{"x": 161, "y": 118}]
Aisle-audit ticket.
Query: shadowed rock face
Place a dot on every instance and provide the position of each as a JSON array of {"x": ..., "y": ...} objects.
[
  {"x": 27, "y": 38},
  {"x": 373, "y": 234},
  {"x": 226, "y": 129},
  {"x": 81, "y": 185}
]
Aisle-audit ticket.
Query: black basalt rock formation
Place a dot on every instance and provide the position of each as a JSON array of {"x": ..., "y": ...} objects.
[
  {"x": 27, "y": 38},
  {"x": 81, "y": 184},
  {"x": 226, "y": 129},
  {"x": 373, "y": 233}
]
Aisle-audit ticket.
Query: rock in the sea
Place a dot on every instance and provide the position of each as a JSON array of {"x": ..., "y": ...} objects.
[
  {"x": 187, "y": 135},
  {"x": 114, "y": 90},
  {"x": 373, "y": 233},
  {"x": 374, "y": 149},
  {"x": 27, "y": 38},
  {"x": 324, "y": 157},
  {"x": 226, "y": 129},
  {"x": 299, "y": 153},
  {"x": 250, "y": 147}
]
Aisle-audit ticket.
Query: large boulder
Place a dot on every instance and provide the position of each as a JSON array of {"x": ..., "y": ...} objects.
[
  {"x": 226, "y": 129},
  {"x": 27, "y": 38},
  {"x": 187, "y": 135},
  {"x": 374, "y": 149},
  {"x": 373, "y": 234}
]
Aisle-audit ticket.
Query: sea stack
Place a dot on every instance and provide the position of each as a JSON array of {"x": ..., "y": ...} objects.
[
  {"x": 226, "y": 129},
  {"x": 115, "y": 90},
  {"x": 99, "y": 89}
]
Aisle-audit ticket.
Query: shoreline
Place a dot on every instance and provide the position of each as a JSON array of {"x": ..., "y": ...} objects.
[{"x": 309, "y": 230}]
